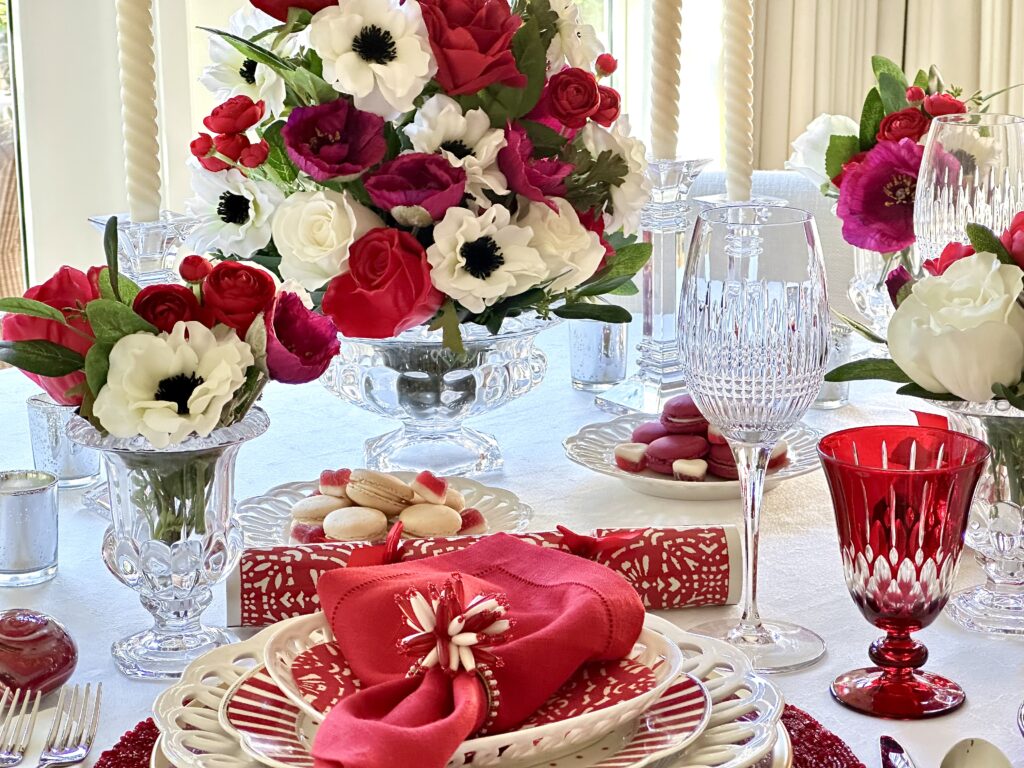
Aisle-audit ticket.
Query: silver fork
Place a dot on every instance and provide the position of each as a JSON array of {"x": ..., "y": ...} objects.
[
  {"x": 17, "y": 725},
  {"x": 74, "y": 727}
]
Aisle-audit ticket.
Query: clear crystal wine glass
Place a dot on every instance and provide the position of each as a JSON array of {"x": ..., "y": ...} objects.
[
  {"x": 972, "y": 172},
  {"x": 754, "y": 337}
]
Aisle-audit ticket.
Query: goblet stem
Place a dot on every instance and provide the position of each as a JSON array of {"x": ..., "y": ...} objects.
[{"x": 752, "y": 464}]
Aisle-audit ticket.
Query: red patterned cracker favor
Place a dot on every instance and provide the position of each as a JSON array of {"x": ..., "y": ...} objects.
[{"x": 668, "y": 567}]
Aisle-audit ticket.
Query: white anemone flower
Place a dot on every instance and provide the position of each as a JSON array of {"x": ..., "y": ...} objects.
[
  {"x": 168, "y": 386},
  {"x": 571, "y": 252},
  {"x": 479, "y": 260},
  {"x": 377, "y": 51},
  {"x": 234, "y": 211},
  {"x": 234, "y": 74},
  {"x": 467, "y": 141},
  {"x": 634, "y": 191},
  {"x": 575, "y": 42}
]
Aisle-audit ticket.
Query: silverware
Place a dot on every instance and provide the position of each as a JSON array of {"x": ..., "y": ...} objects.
[
  {"x": 17, "y": 725},
  {"x": 74, "y": 727},
  {"x": 975, "y": 753},
  {"x": 1020, "y": 719},
  {"x": 893, "y": 754}
]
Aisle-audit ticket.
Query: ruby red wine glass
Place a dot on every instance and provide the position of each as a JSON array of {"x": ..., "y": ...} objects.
[{"x": 901, "y": 496}]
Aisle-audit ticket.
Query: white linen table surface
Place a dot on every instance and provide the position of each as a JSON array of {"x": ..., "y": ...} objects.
[{"x": 800, "y": 574}]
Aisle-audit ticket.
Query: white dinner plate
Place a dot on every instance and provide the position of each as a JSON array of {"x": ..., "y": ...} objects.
[{"x": 593, "y": 447}]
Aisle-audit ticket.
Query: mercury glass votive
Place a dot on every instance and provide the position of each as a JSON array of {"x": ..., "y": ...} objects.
[
  {"x": 52, "y": 450},
  {"x": 28, "y": 527},
  {"x": 597, "y": 354}
]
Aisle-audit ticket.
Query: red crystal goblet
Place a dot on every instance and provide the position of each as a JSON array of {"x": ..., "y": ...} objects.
[{"x": 901, "y": 496}]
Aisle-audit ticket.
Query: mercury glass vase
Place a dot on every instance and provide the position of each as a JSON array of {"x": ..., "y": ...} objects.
[
  {"x": 173, "y": 536},
  {"x": 995, "y": 529},
  {"x": 432, "y": 390}
]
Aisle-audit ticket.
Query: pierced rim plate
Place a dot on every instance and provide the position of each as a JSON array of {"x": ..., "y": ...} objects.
[
  {"x": 266, "y": 519},
  {"x": 593, "y": 447}
]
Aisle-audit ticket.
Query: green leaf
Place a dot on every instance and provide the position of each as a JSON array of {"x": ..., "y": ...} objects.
[
  {"x": 870, "y": 118},
  {"x": 607, "y": 284},
  {"x": 984, "y": 240},
  {"x": 311, "y": 88},
  {"x": 1012, "y": 395},
  {"x": 110, "y": 250},
  {"x": 916, "y": 390},
  {"x": 250, "y": 50},
  {"x": 41, "y": 357},
  {"x": 893, "y": 93},
  {"x": 607, "y": 313},
  {"x": 880, "y": 65},
  {"x": 626, "y": 289},
  {"x": 97, "y": 365},
  {"x": 546, "y": 141},
  {"x": 16, "y": 305},
  {"x": 869, "y": 368},
  {"x": 111, "y": 320},
  {"x": 298, "y": 20},
  {"x": 277, "y": 157},
  {"x": 860, "y": 328},
  {"x": 128, "y": 289},
  {"x": 451, "y": 333},
  {"x": 921, "y": 80},
  {"x": 840, "y": 150},
  {"x": 619, "y": 240}
]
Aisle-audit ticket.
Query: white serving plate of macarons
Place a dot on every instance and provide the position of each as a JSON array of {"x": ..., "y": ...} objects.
[
  {"x": 267, "y": 519},
  {"x": 594, "y": 445}
]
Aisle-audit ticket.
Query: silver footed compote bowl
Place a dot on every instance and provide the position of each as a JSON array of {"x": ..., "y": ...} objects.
[{"x": 432, "y": 390}]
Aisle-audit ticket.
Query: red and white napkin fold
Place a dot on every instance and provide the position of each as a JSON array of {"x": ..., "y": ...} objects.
[{"x": 565, "y": 612}]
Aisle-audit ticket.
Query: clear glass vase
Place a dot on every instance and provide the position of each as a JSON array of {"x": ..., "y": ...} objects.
[
  {"x": 995, "y": 530},
  {"x": 173, "y": 536},
  {"x": 414, "y": 378}
]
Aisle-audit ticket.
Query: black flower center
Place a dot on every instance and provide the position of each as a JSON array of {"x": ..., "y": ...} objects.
[
  {"x": 899, "y": 190},
  {"x": 482, "y": 257},
  {"x": 457, "y": 148},
  {"x": 178, "y": 389},
  {"x": 233, "y": 209},
  {"x": 248, "y": 71},
  {"x": 375, "y": 45}
]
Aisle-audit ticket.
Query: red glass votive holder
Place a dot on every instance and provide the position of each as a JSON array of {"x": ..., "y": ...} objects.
[{"x": 901, "y": 496}]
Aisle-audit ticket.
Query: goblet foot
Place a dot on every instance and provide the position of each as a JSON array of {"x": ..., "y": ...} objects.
[
  {"x": 460, "y": 451},
  {"x": 154, "y": 655},
  {"x": 984, "y": 610},
  {"x": 775, "y": 646},
  {"x": 903, "y": 695}
]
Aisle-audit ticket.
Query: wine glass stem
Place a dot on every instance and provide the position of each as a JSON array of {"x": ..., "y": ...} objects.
[{"x": 752, "y": 464}]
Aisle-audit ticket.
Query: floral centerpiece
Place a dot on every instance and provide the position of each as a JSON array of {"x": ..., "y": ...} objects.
[{"x": 421, "y": 162}]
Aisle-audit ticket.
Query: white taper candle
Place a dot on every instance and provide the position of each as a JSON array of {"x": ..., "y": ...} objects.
[
  {"x": 665, "y": 49},
  {"x": 738, "y": 45},
  {"x": 138, "y": 108}
]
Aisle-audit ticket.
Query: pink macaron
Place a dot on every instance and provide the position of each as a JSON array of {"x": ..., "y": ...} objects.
[
  {"x": 665, "y": 450},
  {"x": 722, "y": 464},
  {"x": 649, "y": 431},
  {"x": 680, "y": 416}
]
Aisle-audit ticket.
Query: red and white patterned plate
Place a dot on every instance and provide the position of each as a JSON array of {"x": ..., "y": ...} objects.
[{"x": 273, "y": 731}]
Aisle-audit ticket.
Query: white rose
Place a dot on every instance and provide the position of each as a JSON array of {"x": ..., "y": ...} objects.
[
  {"x": 962, "y": 331},
  {"x": 809, "y": 147},
  {"x": 313, "y": 232},
  {"x": 571, "y": 252}
]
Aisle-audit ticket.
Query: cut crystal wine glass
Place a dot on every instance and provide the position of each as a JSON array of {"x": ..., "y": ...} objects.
[{"x": 754, "y": 336}]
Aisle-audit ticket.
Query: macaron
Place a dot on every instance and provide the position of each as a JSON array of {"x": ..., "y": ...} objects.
[
  {"x": 430, "y": 487},
  {"x": 430, "y": 520},
  {"x": 313, "y": 509},
  {"x": 356, "y": 524},
  {"x": 715, "y": 436},
  {"x": 333, "y": 482},
  {"x": 455, "y": 500},
  {"x": 308, "y": 533},
  {"x": 664, "y": 451},
  {"x": 721, "y": 462},
  {"x": 680, "y": 416},
  {"x": 631, "y": 457},
  {"x": 648, "y": 432},
  {"x": 690, "y": 470},
  {"x": 377, "y": 490},
  {"x": 779, "y": 454},
  {"x": 472, "y": 521}
]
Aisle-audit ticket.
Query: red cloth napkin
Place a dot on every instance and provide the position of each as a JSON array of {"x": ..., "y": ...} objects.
[{"x": 567, "y": 612}]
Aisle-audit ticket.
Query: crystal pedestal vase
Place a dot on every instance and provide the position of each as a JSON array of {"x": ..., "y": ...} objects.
[
  {"x": 414, "y": 378},
  {"x": 173, "y": 536},
  {"x": 995, "y": 530},
  {"x": 666, "y": 223},
  {"x": 148, "y": 250}
]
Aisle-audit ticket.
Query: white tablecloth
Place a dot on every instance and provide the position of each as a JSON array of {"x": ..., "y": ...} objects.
[{"x": 801, "y": 577}]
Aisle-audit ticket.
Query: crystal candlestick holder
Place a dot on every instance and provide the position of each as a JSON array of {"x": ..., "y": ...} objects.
[
  {"x": 666, "y": 222},
  {"x": 147, "y": 251}
]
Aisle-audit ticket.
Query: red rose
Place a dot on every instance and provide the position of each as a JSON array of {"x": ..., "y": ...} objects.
[
  {"x": 847, "y": 166},
  {"x": 236, "y": 115},
  {"x": 1013, "y": 239},
  {"x": 234, "y": 293},
  {"x": 606, "y": 64},
  {"x": 608, "y": 112},
  {"x": 254, "y": 154},
  {"x": 164, "y": 305},
  {"x": 232, "y": 145},
  {"x": 915, "y": 94},
  {"x": 387, "y": 289},
  {"x": 943, "y": 104},
  {"x": 472, "y": 42},
  {"x": 951, "y": 254},
  {"x": 279, "y": 8},
  {"x": 572, "y": 96},
  {"x": 910, "y": 123},
  {"x": 194, "y": 268},
  {"x": 69, "y": 291}
]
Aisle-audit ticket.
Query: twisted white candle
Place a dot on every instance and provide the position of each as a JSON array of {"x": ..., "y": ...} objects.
[
  {"x": 738, "y": 45},
  {"x": 665, "y": 49},
  {"x": 138, "y": 108}
]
